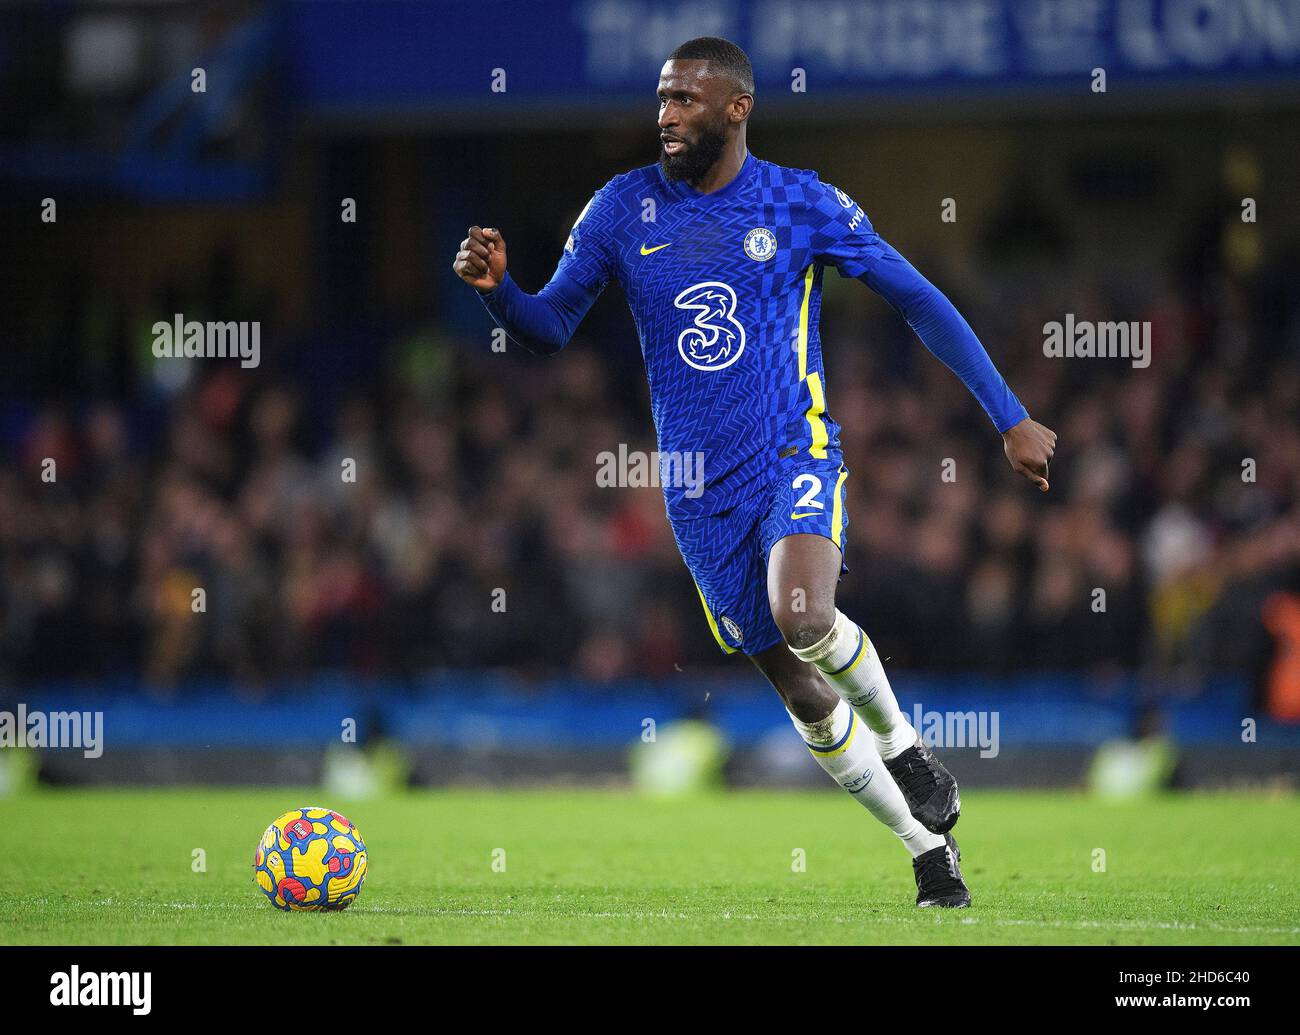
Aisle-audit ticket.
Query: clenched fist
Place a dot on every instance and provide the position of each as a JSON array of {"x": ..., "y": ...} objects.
[
  {"x": 1029, "y": 446},
  {"x": 481, "y": 261}
]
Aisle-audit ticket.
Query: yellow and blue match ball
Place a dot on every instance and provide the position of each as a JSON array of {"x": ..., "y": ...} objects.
[{"x": 311, "y": 858}]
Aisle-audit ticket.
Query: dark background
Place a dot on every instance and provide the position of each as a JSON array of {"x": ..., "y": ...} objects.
[{"x": 476, "y": 469}]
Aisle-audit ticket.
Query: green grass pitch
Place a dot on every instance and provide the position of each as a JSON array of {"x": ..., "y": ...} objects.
[{"x": 113, "y": 867}]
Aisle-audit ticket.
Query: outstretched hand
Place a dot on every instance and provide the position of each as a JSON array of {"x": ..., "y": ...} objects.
[{"x": 1029, "y": 446}]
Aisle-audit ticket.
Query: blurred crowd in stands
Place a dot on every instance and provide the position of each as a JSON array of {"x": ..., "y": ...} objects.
[{"x": 474, "y": 532}]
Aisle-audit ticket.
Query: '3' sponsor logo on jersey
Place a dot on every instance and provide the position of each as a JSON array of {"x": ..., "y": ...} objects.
[{"x": 715, "y": 338}]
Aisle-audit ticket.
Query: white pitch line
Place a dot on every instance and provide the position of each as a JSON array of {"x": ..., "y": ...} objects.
[
  {"x": 1129, "y": 925},
  {"x": 965, "y": 921}
]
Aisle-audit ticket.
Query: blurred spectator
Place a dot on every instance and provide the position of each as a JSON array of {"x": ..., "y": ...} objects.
[{"x": 457, "y": 521}]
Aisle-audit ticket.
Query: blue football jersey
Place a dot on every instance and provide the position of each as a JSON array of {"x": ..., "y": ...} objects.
[{"x": 725, "y": 289}]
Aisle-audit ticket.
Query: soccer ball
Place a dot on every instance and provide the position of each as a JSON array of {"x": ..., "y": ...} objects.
[{"x": 311, "y": 858}]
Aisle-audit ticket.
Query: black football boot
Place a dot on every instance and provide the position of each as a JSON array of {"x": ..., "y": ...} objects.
[
  {"x": 938, "y": 877},
  {"x": 928, "y": 788}
]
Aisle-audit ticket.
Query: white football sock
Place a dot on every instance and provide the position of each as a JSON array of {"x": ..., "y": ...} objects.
[
  {"x": 852, "y": 760},
  {"x": 849, "y": 663}
]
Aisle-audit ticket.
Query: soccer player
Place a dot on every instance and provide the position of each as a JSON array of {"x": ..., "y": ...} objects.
[{"x": 721, "y": 255}]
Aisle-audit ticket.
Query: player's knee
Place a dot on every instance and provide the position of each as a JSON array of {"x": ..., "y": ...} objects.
[{"x": 804, "y": 628}]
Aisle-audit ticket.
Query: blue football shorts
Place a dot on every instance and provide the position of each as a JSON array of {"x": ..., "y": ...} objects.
[{"x": 727, "y": 553}]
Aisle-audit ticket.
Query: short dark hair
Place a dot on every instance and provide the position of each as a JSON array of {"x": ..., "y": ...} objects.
[{"x": 724, "y": 58}]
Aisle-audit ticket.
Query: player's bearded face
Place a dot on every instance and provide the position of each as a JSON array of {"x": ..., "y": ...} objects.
[{"x": 702, "y": 149}]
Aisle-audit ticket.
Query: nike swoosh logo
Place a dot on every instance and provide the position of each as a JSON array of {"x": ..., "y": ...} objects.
[
  {"x": 811, "y": 513},
  {"x": 647, "y": 251}
]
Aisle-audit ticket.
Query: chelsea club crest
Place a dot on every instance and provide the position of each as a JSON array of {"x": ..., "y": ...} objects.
[{"x": 760, "y": 244}]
